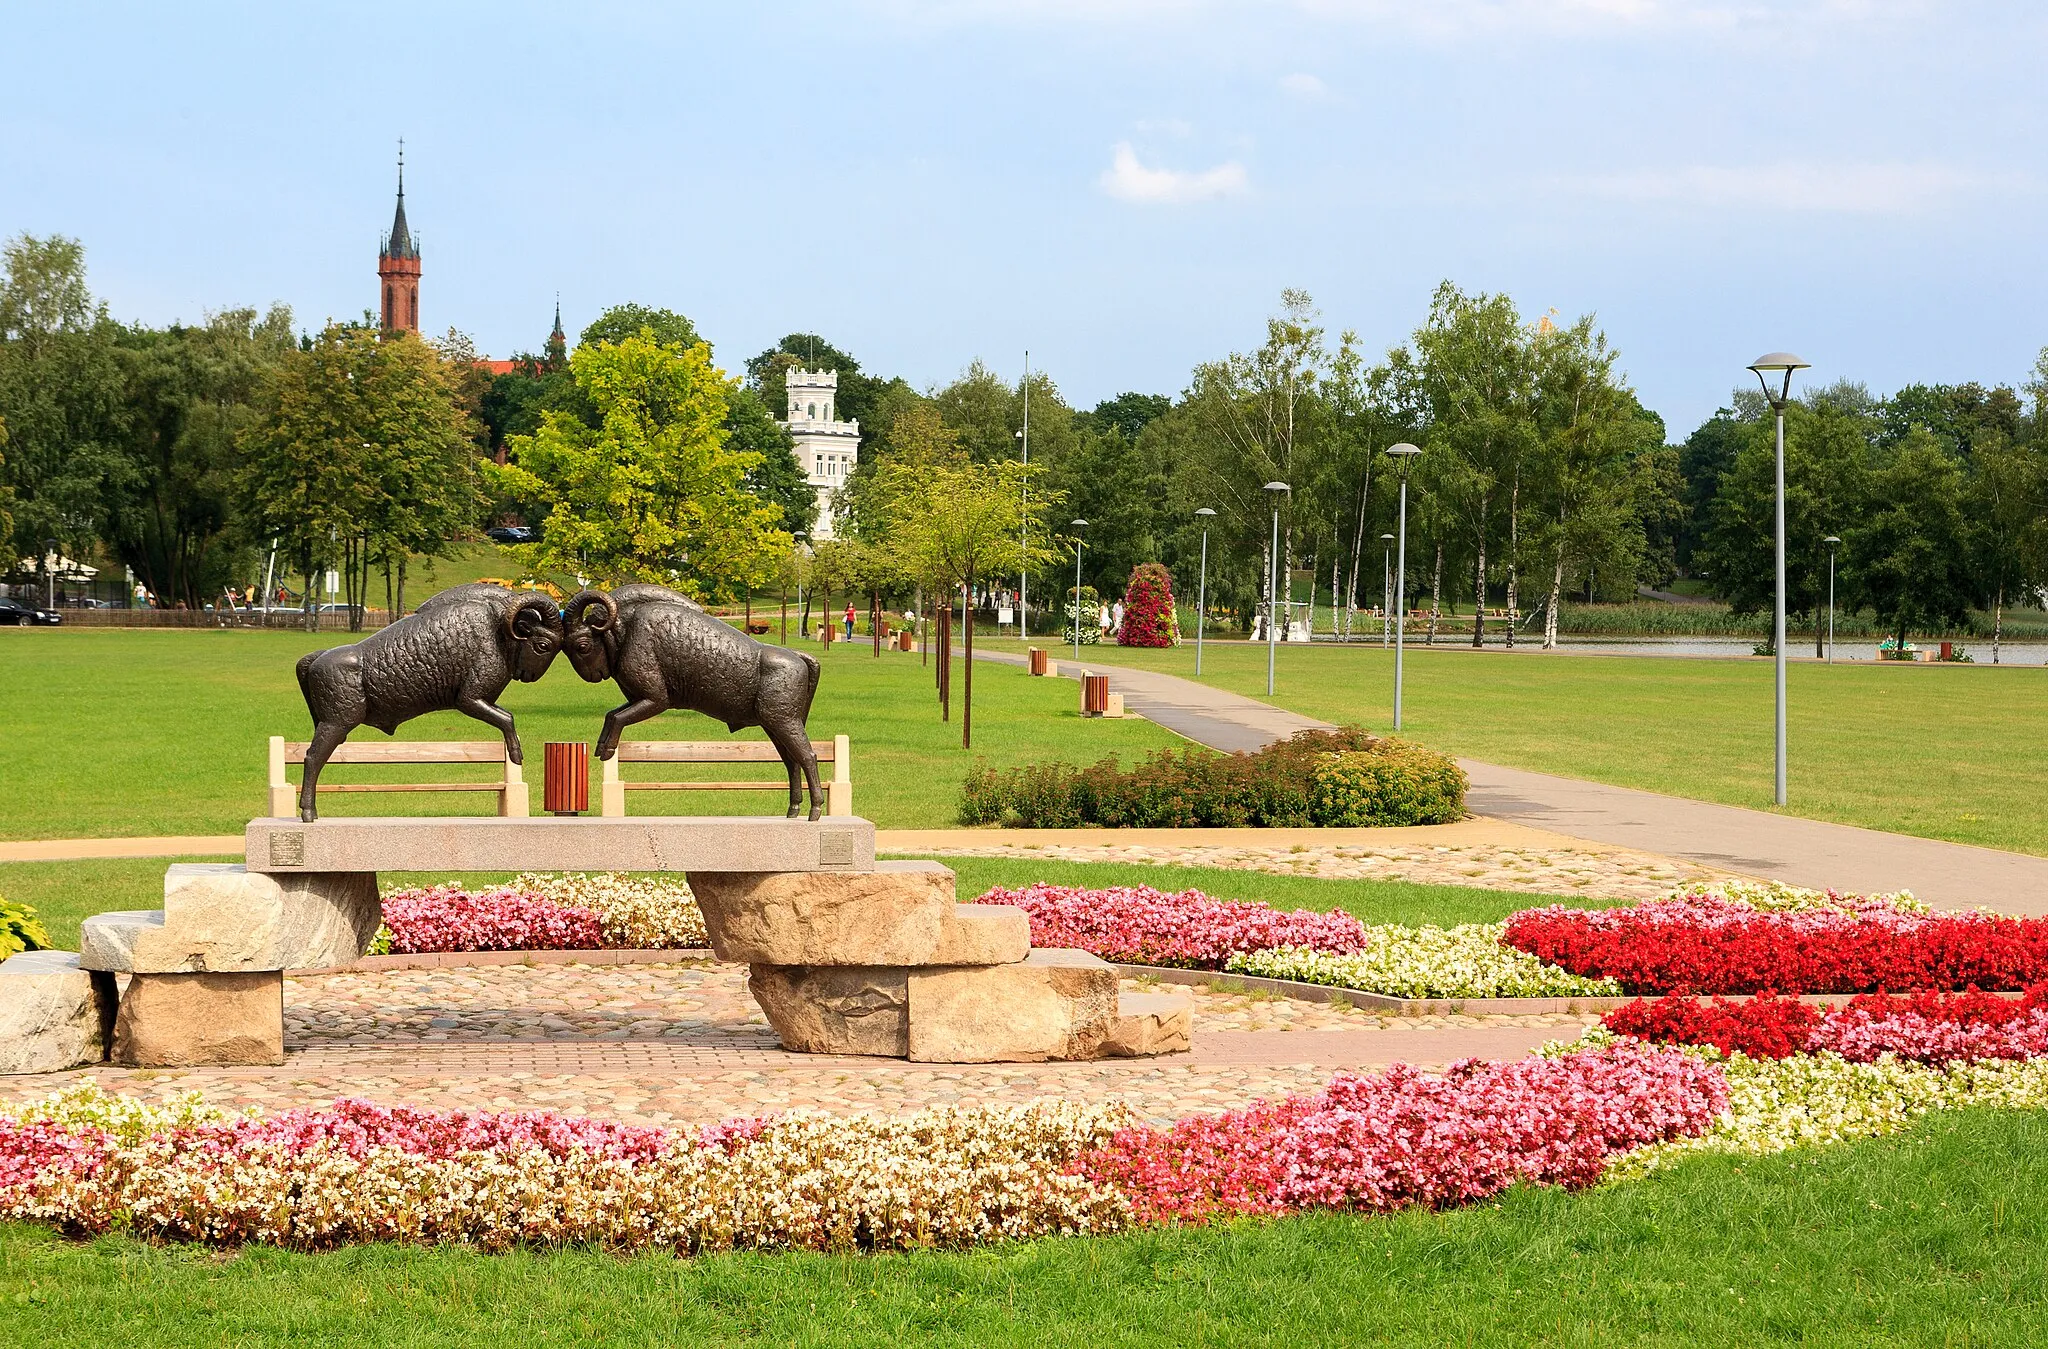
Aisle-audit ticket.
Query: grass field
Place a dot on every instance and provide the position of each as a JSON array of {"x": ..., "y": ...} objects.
[
  {"x": 1952, "y": 752},
  {"x": 1938, "y": 1236},
  {"x": 113, "y": 732},
  {"x": 64, "y": 894}
]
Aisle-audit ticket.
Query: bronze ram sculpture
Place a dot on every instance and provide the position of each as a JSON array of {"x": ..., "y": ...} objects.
[
  {"x": 665, "y": 652},
  {"x": 457, "y": 652}
]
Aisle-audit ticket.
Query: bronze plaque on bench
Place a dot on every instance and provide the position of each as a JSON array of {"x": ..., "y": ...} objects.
[{"x": 288, "y": 849}]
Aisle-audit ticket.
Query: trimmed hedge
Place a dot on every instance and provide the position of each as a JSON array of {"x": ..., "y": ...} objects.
[{"x": 1318, "y": 778}]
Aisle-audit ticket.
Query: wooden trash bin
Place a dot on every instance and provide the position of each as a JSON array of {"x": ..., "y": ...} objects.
[
  {"x": 565, "y": 777},
  {"x": 906, "y": 640},
  {"x": 1094, "y": 694},
  {"x": 1037, "y": 659}
]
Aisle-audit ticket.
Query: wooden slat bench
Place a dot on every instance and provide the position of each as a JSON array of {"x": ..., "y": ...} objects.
[
  {"x": 510, "y": 789},
  {"x": 837, "y": 752}
]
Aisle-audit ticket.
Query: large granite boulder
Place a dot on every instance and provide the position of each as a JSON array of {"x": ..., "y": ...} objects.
[
  {"x": 899, "y": 914},
  {"x": 201, "y": 1020},
  {"x": 53, "y": 1014},
  {"x": 1056, "y": 1004},
  {"x": 222, "y": 918}
]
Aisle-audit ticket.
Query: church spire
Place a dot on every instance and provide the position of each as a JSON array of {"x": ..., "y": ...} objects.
[
  {"x": 398, "y": 266},
  {"x": 558, "y": 343},
  {"x": 400, "y": 244}
]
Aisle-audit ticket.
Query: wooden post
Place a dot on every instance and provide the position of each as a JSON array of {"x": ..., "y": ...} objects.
[
  {"x": 512, "y": 798},
  {"x": 612, "y": 793},
  {"x": 282, "y": 805},
  {"x": 839, "y": 795}
]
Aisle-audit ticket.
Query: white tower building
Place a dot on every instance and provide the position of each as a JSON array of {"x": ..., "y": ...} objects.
[{"x": 826, "y": 447}]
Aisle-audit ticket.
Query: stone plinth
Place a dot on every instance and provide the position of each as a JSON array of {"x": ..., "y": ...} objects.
[
  {"x": 53, "y": 1014},
  {"x": 1148, "y": 1024},
  {"x": 220, "y": 918},
  {"x": 835, "y": 1009},
  {"x": 691, "y": 843},
  {"x": 201, "y": 1020},
  {"x": 900, "y": 913},
  {"x": 1055, "y": 1004}
]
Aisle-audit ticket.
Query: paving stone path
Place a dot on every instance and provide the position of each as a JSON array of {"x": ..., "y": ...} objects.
[{"x": 684, "y": 1044}]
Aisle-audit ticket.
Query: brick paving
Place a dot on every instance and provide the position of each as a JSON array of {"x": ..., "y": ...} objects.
[{"x": 683, "y": 1043}]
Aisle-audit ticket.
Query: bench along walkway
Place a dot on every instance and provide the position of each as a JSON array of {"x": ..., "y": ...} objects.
[{"x": 1749, "y": 842}]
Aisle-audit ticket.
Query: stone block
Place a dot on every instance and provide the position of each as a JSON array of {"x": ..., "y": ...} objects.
[
  {"x": 53, "y": 1014},
  {"x": 835, "y": 1009},
  {"x": 201, "y": 1020},
  {"x": 1056, "y": 1004},
  {"x": 221, "y": 918},
  {"x": 898, "y": 914},
  {"x": 691, "y": 843},
  {"x": 1150, "y": 1023}
]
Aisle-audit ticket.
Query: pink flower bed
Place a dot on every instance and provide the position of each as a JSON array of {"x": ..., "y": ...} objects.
[
  {"x": 1703, "y": 945},
  {"x": 1403, "y": 1137},
  {"x": 1929, "y": 1027},
  {"x": 449, "y": 918},
  {"x": 1142, "y": 926}
]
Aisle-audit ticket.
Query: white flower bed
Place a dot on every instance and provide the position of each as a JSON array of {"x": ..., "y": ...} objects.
[
  {"x": 1777, "y": 897},
  {"x": 638, "y": 912},
  {"x": 1467, "y": 961}
]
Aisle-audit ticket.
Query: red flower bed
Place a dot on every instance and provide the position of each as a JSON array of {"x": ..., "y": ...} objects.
[
  {"x": 1402, "y": 1137},
  {"x": 1714, "y": 946},
  {"x": 448, "y": 918},
  {"x": 1142, "y": 926},
  {"x": 1929, "y": 1027}
]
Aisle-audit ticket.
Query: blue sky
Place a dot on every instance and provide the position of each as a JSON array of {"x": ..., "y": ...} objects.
[{"x": 1123, "y": 186}]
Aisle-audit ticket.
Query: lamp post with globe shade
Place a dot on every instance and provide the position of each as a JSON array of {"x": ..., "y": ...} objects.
[
  {"x": 1781, "y": 363},
  {"x": 1833, "y": 542}
]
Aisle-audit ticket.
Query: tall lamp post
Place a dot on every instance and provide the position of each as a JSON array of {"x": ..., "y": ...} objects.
[
  {"x": 1386, "y": 589},
  {"x": 51, "y": 547},
  {"x": 1077, "y": 526},
  {"x": 1205, "y": 515},
  {"x": 1404, "y": 455},
  {"x": 1278, "y": 489},
  {"x": 1779, "y": 363},
  {"x": 1833, "y": 543},
  {"x": 1024, "y": 529}
]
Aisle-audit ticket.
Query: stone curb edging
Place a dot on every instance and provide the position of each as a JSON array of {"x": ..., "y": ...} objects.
[{"x": 437, "y": 960}]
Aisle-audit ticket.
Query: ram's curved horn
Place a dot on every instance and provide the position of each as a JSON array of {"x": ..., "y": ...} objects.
[
  {"x": 530, "y": 613},
  {"x": 584, "y": 600}
]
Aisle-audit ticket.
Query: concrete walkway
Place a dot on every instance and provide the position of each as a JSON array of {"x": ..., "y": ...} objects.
[{"x": 1750, "y": 842}]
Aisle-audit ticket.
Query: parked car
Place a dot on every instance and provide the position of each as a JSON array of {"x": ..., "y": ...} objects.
[
  {"x": 21, "y": 615},
  {"x": 513, "y": 534}
]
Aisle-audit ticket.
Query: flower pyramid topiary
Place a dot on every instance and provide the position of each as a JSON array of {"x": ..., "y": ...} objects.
[{"x": 1148, "y": 608}]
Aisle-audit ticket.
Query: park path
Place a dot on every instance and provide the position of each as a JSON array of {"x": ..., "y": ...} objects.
[{"x": 1757, "y": 843}]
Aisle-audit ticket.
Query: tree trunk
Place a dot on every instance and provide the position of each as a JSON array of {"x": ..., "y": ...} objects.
[
  {"x": 1479, "y": 582},
  {"x": 1309, "y": 627},
  {"x": 401, "y": 590},
  {"x": 1997, "y": 621},
  {"x": 1357, "y": 543},
  {"x": 1514, "y": 552},
  {"x": 1436, "y": 594},
  {"x": 785, "y": 613},
  {"x": 946, "y": 662},
  {"x": 803, "y": 622},
  {"x": 1333, "y": 594},
  {"x": 874, "y": 621},
  {"x": 390, "y": 604},
  {"x": 1550, "y": 608}
]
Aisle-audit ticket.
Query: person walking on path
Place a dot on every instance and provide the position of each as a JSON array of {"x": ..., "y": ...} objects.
[{"x": 849, "y": 620}]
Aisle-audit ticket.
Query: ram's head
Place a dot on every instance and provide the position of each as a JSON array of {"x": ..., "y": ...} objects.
[
  {"x": 537, "y": 632},
  {"x": 592, "y": 636}
]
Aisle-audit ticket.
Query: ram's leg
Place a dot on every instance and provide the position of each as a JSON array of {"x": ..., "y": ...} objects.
[
  {"x": 795, "y": 748},
  {"x": 619, "y": 718},
  {"x": 327, "y": 736},
  {"x": 490, "y": 714}
]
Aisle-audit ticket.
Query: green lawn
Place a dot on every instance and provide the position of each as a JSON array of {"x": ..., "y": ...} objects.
[
  {"x": 1952, "y": 752},
  {"x": 1938, "y": 1236},
  {"x": 111, "y": 732},
  {"x": 64, "y": 894}
]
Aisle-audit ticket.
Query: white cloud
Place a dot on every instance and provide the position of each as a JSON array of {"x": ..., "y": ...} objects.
[
  {"x": 1302, "y": 85},
  {"x": 1128, "y": 180},
  {"x": 1867, "y": 189}
]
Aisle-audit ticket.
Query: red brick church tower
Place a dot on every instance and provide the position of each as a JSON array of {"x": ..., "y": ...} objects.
[{"x": 398, "y": 267}]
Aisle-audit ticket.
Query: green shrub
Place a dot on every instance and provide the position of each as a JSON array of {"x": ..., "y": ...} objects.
[
  {"x": 20, "y": 929},
  {"x": 1342, "y": 777},
  {"x": 1397, "y": 784}
]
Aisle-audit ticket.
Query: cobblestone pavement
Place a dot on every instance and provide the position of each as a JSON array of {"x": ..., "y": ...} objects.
[
  {"x": 1606, "y": 874},
  {"x": 684, "y": 1044}
]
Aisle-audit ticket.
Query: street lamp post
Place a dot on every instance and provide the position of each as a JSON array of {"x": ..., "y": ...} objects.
[
  {"x": 1386, "y": 589},
  {"x": 50, "y": 548},
  {"x": 1404, "y": 455},
  {"x": 1779, "y": 363},
  {"x": 1278, "y": 489},
  {"x": 1832, "y": 542},
  {"x": 1077, "y": 526},
  {"x": 1204, "y": 514}
]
